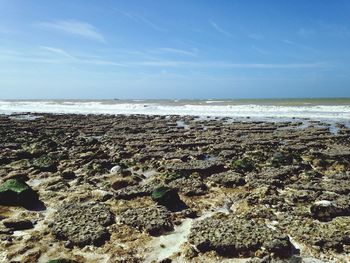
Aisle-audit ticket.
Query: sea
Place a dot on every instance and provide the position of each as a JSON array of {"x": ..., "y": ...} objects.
[{"x": 325, "y": 109}]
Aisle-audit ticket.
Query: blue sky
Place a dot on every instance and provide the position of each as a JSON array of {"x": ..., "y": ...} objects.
[{"x": 174, "y": 49}]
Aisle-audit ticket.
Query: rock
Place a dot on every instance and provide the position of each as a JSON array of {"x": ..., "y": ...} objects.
[
  {"x": 20, "y": 164},
  {"x": 17, "y": 224},
  {"x": 17, "y": 175},
  {"x": 83, "y": 224},
  {"x": 336, "y": 152},
  {"x": 31, "y": 256},
  {"x": 101, "y": 195},
  {"x": 45, "y": 164},
  {"x": 123, "y": 182},
  {"x": 115, "y": 169},
  {"x": 62, "y": 260},
  {"x": 280, "y": 158},
  {"x": 231, "y": 236},
  {"x": 169, "y": 177},
  {"x": 331, "y": 236},
  {"x": 243, "y": 165},
  {"x": 228, "y": 179},
  {"x": 14, "y": 192},
  {"x": 204, "y": 168},
  {"x": 325, "y": 210},
  {"x": 68, "y": 175},
  {"x": 189, "y": 186},
  {"x": 155, "y": 220},
  {"x": 272, "y": 176},
  {"x": 166, "y": 196},
  {"x": 131, "y": 192},
  {"x": 189, "y": 252}
]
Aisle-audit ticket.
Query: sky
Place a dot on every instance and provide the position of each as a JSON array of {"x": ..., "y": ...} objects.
[{"x": 158, "y": 49}]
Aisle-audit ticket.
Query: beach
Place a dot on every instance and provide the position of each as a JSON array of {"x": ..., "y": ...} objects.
[{"x": 179, "y": 181}]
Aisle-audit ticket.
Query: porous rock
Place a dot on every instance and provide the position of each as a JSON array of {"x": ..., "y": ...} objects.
[
  {"x": 155, "y": 220},
  {"x": 82, "y": 224}
]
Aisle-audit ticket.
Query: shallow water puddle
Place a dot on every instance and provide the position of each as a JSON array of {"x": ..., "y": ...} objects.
[
  {"x": 182, "y": 124},
  {"x": 37, "y": 181},
  {"x": 150, "y": 173},
  {"x": 166, "y": 245},
  {"x": 25, "y": 117},
  {"x": 39, "y": 226},
  {"x": 93, "y": 257}
]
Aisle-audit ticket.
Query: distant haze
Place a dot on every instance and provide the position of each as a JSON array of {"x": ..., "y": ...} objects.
[{"x": 182, "y": 49}]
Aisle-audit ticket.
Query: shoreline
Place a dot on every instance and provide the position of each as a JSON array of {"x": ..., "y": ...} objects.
[{"x": 240, "y": 191}]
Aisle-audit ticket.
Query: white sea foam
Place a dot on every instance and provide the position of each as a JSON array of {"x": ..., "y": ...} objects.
[{"x": 318, "y": 112}]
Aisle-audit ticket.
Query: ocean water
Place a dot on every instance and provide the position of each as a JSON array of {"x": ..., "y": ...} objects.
[{"x": 313, "y": 109}]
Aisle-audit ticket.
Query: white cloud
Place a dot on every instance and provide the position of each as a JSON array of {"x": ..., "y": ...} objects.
[
  {"x": 219, "y": 29},
  {"x": 73, "y": 27}
]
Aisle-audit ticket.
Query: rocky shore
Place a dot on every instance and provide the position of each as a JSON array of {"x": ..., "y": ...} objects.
[{"x": 104, "y": 188}]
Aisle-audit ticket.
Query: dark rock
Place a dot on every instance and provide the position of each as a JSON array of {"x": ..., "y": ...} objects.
[
  {"x": 123, "y": 182},
  {"x": 330, "y": 236},
  {"x": 272, "y": 176},
  {"x": 166, "y": 196},
  {"x": 153, "y": 219},
  {"x": 231, "y": 236},
  {"x": 228, "y": 179},
  {"x": 18, "y": 224},
  {"x": 83, "y": 224},
  {"x": 14, "y": 192},
  {"x": 280, "y": 158},
  {"x": 243, "y": 165},
  {"x": 325, "y": 210},
  {"x": 204, "y": 168},
  {"x": 68, "y": 175},
  {"x": 134, "y": 191},
  {"x": 189, "y": 186},
  {"x": 45, "y": 164}
]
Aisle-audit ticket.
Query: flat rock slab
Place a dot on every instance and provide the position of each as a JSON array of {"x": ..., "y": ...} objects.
[
  {"x": 189, "y": 186},
  {"x": 134, "y": 191},
  {"x": 202, "y": 167},
  {"x": 330, "y": 236},
  {"x": 83, "y": 224},
  {"x": 228, "y": 179},
  {"x": 155, "y": 220},
  {"x": 234, "y": 237}
]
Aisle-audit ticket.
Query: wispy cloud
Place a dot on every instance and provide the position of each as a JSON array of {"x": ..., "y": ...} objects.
[
  {"x": 64, "y": 58},
  {"x": 176, "y": 51},
  {"x": 73, "y": 27},
  {"x": 219, "y": 29},
  {"x": 141, "y": 20},
  {"x": 223, "y": 64},
  {"x": 298, "y": 45},
  {"x": 58, "y": 51},
  {"x": 260, "y": 50},
  {"x": 67, "y": 58}
]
